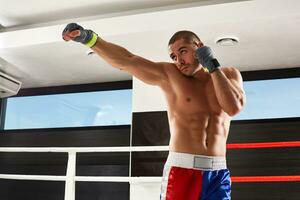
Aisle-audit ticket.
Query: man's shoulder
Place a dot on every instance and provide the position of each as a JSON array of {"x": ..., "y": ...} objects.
[
  {"x": 232, "y": 73},
  {"x": 230, "y": 70},
  {"x": 167, "y": 66}
]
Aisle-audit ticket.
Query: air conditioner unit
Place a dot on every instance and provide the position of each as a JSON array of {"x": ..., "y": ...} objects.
[{"x": 9, "y": 86}]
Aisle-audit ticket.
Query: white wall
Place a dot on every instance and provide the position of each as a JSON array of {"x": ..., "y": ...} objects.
[
  {"x": 144, "y": 191},
  {"x": 146, "y": 98}
]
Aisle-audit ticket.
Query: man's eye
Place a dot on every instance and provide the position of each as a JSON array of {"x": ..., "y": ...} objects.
[{"x": 183, "y": 51}]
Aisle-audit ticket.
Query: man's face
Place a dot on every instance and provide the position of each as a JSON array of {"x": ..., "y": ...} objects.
[{"x": 183, "y": 55}]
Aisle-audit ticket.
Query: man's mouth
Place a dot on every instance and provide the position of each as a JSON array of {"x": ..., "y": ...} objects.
[{"x": 184, "y": 69}]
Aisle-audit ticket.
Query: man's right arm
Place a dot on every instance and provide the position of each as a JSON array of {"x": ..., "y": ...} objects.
[{"x": 119, "y": 57}]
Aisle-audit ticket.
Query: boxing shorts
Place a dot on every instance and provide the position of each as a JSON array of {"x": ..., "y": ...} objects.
[{"x": 195, "y": 177}]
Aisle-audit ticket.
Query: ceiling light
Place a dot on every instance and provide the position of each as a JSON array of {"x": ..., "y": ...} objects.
[{"x": 227, "y": 41}]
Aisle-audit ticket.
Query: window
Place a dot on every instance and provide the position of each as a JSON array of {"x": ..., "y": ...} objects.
[
  {"x": 276, "y": 98},
  {"x": 102, "y": 108}
]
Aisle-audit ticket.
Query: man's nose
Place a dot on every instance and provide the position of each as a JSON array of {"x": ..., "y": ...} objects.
[{"x": 180, "y": 61}]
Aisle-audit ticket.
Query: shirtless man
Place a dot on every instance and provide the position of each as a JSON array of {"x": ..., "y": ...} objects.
[{"x": 202, "y": 97}]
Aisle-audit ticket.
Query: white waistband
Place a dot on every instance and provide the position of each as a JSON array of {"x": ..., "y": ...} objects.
[{"x": 199, "y": 162}]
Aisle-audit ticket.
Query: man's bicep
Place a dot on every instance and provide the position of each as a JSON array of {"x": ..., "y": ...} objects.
[
  {"x": 147, "y": 71},
  {"x": 235, "y": 78}
]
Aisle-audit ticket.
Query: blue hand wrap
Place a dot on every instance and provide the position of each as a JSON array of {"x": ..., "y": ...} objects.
[{"x": 206, "y": 59}]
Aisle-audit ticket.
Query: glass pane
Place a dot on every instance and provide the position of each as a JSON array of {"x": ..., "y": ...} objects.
[
  {"x": 278, "y": 98},
  {"x": 102, "y": 108}
]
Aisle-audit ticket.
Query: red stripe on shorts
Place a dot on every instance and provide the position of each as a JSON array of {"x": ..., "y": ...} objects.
[
  {"x": 247, "y": 179},
  {"x": 184, "y": 184}
]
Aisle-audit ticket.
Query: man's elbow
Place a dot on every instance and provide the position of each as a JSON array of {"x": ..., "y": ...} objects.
[
  {"x": 236, "y": 108},
  {"x": 232, "y": 112}
]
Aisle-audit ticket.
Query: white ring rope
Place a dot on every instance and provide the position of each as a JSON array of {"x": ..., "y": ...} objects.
[
  {"x": 85, "y": 149},
  {"x": 123, "y": 179}
]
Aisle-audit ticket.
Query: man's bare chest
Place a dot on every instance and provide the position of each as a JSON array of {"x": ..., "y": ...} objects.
[{"x": 194, "y": 96}]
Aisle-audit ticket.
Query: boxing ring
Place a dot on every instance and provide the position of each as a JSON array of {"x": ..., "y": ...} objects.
[{"x": 70, "y": 178}]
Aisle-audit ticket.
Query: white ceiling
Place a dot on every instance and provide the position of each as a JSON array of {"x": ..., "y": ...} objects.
[{"x": 31, "y": 48}]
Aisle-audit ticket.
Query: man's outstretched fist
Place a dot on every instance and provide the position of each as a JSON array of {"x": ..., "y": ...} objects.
[{"x": 76, "y": 33}]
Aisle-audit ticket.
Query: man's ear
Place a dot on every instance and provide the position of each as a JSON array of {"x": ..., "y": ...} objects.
[{"x": 200, "y": 44}]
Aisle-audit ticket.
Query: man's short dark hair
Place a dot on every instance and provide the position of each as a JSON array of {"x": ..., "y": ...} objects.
[{"x": 188, "y": 36}]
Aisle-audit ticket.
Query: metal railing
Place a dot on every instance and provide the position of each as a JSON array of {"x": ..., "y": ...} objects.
[{"x": 71, "y": 177}]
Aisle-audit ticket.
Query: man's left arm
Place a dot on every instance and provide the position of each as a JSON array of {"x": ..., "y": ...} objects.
[{"x": 228, "y": 84}]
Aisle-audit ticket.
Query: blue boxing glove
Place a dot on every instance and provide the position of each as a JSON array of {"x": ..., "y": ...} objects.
[
  {"x": 87, "y": 37},
  {"x": 206, "y": 59}
]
